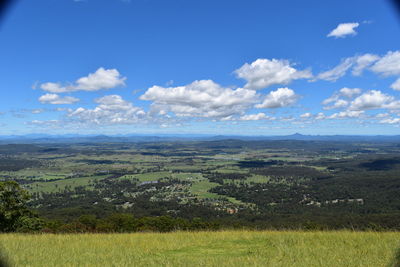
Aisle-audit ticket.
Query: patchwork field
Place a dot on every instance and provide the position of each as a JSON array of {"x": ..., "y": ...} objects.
[
  {"x": 227, "y": 248},
  {"x": 228, "y": 184}
]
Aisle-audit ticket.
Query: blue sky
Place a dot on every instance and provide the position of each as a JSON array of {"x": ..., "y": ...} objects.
[{"x": 202, "y": 67}]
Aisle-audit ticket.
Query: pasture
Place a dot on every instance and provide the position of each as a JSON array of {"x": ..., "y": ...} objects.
[{"x": 225, "y": 248}]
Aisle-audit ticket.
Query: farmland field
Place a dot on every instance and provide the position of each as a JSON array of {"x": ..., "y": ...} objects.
[
  {"x": 226, "y": 248},
  {"x": 231, "y": 183}
]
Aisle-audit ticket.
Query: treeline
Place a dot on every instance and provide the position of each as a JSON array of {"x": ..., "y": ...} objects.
[
  {"x": 127, "y": 223},
  {"x": 10, "y": 164},
  {"x": 15, "y": 216},
  {"x": 221, "y": 177}
]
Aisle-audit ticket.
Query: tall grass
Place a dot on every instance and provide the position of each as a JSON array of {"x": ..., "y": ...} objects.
[{"x": 226, "y": 248}]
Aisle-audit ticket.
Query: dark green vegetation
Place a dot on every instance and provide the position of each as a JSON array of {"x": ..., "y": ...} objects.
[
  {"x": 163, "y": 186},
  {"x": 14, "y": 214}
]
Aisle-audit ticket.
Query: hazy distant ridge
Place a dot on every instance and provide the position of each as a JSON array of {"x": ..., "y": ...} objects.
[{"x": 72, "y": 138}]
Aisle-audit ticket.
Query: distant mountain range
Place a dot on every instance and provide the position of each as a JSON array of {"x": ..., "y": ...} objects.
[{"x": 74, "y": 138}]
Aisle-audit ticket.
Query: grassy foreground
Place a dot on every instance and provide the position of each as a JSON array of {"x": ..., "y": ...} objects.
[{"x": 226, "y": 248}]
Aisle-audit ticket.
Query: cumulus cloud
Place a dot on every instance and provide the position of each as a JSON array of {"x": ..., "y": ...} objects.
[
  {"x": 206, "y": 99},
  {"x": 340, "y": 103},
  {"x": 337, "y": 101},
  {"x": 347, "y": 114},
  {"x": 111, "y": 109},
  {"x": 320, "y": 116},
  {"x": 388, "y": 65},
  {"x": 374, "y": 99},
  {"x": 57, "y": 100},
  {"x": 99, "y": 80},
  {"x": 396, "y": 85},
  {"x": 356, "y": 104},
  {"x": 356, "y": 63},
  {"x": 382, "y": 115},
  {"x": 306, "y": 115},
  {"x": 282, "y": 97},
  {"x": 264, "y": 72},
  {"x": 339, "y": 115},
  {"x": 343, "y": 30},
  {"x": 256, "y": 117},
  {"x": 337, "y": 72},
  {"x": 362, "y": 62},
  {"x": 203, "y": 98},
  {"x": 349, "y": 92},
  {"x": 390, "y": 121}
]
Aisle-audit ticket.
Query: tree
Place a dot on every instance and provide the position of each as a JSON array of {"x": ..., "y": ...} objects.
[{"x": 14, "y": 214}]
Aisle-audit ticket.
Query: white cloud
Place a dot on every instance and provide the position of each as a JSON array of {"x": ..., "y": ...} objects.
[
  {"x": 203, "y": 98},
  {"x": 282, "y": 97},
  {"x": 396, "y": 85},
  {"x": 362, "y": 62},
  {"x": 382, "y": 115},
  {"x": 357, "y": 63},
  {"x": 227, "y": 118},
  {"x": 347, "y": 114},
  {"x": 340, "y": 103},
  {"x": 349, "y": 92},
  {"x": 344, "y": 29},
  {"x": 388, "y": 65},
  {"x": 320, "y": 116},
  {"x": 356, "y": 108},
  {"x": 338, "y": 71},
  {"x": 264, "y": 72},
  {"x": 287, "y": 118},
  {"x": 390, "y": 121},
  {"x": 111, "y": 109},
  {"x": 337, "y": 100},
  {"x": 57, "y": 100},
  {"x": 374, "y": 99},
  {"x": 331, "y": 99},
  {"x": 306, "y": 115},
  {"x": 256, "y": 117},
  {"x": 53, "y": 88},
  {"x": 99, "y": 80}
]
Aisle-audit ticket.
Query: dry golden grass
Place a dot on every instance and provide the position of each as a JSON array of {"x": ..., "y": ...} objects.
[{"x": 226, "y": 248}]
